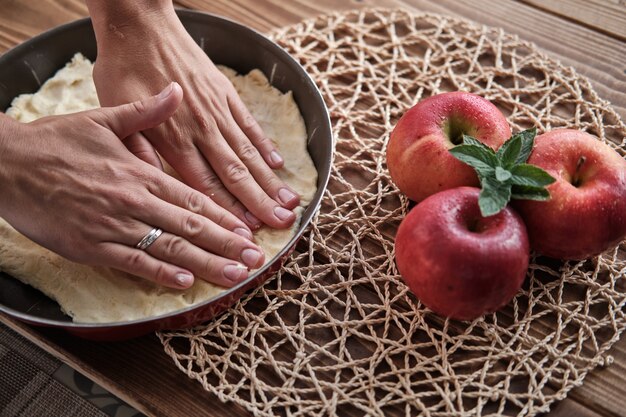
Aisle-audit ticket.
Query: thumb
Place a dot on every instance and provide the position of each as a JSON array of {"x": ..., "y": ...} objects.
[{"x": 144, "y": 114}]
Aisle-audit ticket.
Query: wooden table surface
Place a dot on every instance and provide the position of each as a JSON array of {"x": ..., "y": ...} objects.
[{"x": 589, "y": 35}]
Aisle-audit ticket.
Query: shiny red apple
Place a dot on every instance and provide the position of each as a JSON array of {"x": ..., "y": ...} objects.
[
  {"x": 417, "y": 155},
  {"x": 586, "y": 213},
  {"x": 458, "y": 263}
]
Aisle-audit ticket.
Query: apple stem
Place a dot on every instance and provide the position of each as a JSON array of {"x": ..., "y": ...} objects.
[{"x": 579, "y": 165}]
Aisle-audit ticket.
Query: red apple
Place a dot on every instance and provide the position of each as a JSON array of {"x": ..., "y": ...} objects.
[
  {"x": 417, "y": 155},
  {"x": 458, "y": 263},
  {"x": 586, "y": 213}
]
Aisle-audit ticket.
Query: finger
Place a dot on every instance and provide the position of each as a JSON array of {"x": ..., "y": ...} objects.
[
  {"x": 237, "y": 179},
  {"x": 204, "y": 234},
  {"x": 143, "y": 149},
  {"x": 144, "y": 114},
  {"x": 204, "y": 265},
  {"x": 137, "y": 262},
  {"x": 263, "y": 175},
  {"x": 171, "y": 190},
  {"x": 253, "y": 131},
  {"x": 196, "y": 172}
]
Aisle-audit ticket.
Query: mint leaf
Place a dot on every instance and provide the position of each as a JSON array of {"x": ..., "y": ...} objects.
[
  {"x": 502, "y": 174},
  {"x": 517, "y": 149},
  {"x": 493, "y": 197},
  {"x": 528, "y": 140},
  {"x": 480, "y": 159},
  {"x": 523, "y": 192},
  {"x": 530, "y": 175},
  {"x": 470, "y": 140},
  {"x": 509, "y": 151}
]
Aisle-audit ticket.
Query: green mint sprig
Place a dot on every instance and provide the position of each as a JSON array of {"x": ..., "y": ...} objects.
[{"x": 504, "y": 174}]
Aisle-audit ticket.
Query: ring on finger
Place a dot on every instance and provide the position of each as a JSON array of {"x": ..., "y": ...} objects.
[{"x": 149, "y": 239}]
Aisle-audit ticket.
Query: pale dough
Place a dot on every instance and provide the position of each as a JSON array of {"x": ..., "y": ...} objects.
[{"x": 103, "y": 295}]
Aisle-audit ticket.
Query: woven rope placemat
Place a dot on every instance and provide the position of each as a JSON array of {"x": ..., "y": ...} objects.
[{"x": 336, "y": 332}]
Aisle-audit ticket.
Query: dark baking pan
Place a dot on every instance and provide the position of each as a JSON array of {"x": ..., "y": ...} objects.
[{"x": 23, "y": 68}]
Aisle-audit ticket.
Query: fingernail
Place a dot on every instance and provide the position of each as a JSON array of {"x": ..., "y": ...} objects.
[
  {"x": 276, "y": 158},
  {"x": 243, "y": 232},
  {"x": 166, "y": 91},
  {"x": 286, "y": 196},
  {"x": 250, "y": 257},
  {"x": 282, "y": 213},
  {"x": 183, "y": 280},
  {"x": 252, "y": 219},
  {"x": 235, "y": 272}
]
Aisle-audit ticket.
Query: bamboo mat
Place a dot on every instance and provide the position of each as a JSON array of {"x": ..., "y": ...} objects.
[{"x": 336, "y": 332}]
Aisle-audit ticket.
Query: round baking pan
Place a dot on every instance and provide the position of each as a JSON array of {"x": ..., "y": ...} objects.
[{"x": 24, "y": 68}]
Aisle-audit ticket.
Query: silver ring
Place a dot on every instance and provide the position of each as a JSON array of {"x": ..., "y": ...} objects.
[{"x": 149, "y": 239}]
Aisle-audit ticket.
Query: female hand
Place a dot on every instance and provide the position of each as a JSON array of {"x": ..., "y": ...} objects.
[
  {"x": 69, "y": 184},
  {"x": 212, "y": 141}
]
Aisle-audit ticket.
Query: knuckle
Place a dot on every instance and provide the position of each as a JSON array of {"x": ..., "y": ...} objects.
[
  {"x": 209, "y": 266},
  {"x": 103, "y": 221},
  {"x": 139, "y": 172},
  {"x": 236, "y": 173},
  {"x": 132, "y": 200},
  {"x": 178, "y": 140},
  {"x": 139, "y": 106},
  {"x": 228, "y": 245},
  {"x": 271, "y": 180},
  {"x": 141, "y": 205},
  {"x": 175, "y": 247},
  {"x": 195, "y": 202},
  {"x": 264, "y": 143},
  {"x": 210, "y": 183},
  {"x": 249, "y": 122},
  {"x": 193, "y": 226},
  {"x": 221, "y": 216},
  {"x": 134, "y": 260},
  {"x": 248, "y": 152},
  {"x": 155, "y": 184},
  {"x": 207, "y": 127},
  {"x": 160, "y": 274}
]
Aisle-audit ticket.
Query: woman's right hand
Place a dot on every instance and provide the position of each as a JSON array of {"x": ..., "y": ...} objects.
[{"x": 69, "y": 184}]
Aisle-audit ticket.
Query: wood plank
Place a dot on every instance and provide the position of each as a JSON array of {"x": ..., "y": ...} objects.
[
  {"x": 604, "y": 389},
  {"x": 570, "y": 408},
  {"x": 607, "y": 17},
  {"x": 126, "y": 369},
  {"x": 20, "y": 20}
]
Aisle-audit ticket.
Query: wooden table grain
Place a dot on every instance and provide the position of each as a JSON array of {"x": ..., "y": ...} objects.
[{"x": 589, "y": 35}]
